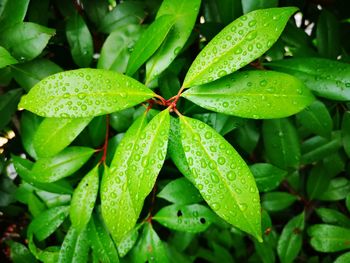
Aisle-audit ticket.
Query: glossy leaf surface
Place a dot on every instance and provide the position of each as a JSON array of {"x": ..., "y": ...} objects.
[
  {"x": 6, "y": 58},
  {"x": 68, "y": 161},
  {"x": 343, "y": 258},
  {"x": 13, "y": 12},
  {"x": 277, "y": 201},
  {"x": 84, "y": 93},
  {"x": 239, "y": 43},
  {"x": 345, "y": 132},
  {"x": 253, "y": 94},
  {"x": 149, "y": 42},
  {"x": 54, "y": 134},
  {"x": 267, "y": 176},
  {"x": 217, "y": 168},
  {"x": 332, "y": 216},
  {"x": 83, "y": 200}
]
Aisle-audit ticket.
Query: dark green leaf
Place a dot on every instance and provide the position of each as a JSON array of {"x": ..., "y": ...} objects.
[
  {"x": 13, "y": 12},
  {"x": 67, "y": 162},
  {"x": 221, "y": 176},
  {"x": 247, "y": 136},
  {"x": 277, "y": 201},
  {"x": 96, "y": 10},
  {"x": 39, "y": 11},
  {"x": 84, "y": 93},
  {"x": 6, "y": 58},
  {"x": 8, "y": 105},
  {"x": 317, "y": 181},
  {"x": 29, "y": 124},
  {"x": 239, "y": 43},
  {"x": 345, "y": 132},
  {"x": 122, "y": 120},
  {"x": 338, "y": 189},
  {"x": 331, "y": 216},
  {"x": 251, "y": 5},
  {"x": 267, "y": 176},
  {"x": 49, "y": 254},
  {"x": 343, "y": 258},
  {"x": 20, "y": 253},
  {"x": 253, "y": 94}
]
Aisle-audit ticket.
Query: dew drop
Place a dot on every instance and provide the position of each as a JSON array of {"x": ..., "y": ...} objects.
[{"x": 231, "y": 175}]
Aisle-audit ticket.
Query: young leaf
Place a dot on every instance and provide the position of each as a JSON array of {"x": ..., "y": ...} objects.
[
  {"x": 55, "y": 134},
  {"x": 193, "y": 218},
  {"x": 25, "y": 41},
  {"x": 281, "y": 143},
  {"x": 84, "y": 93},
  {"x": 290, "y": 241},
  {"x": 80, "y": 40},
  {"x": 47, "y": 222},
  {"x": 13, "y": 12},
  {"x": 101, "y": 243},
  {"x": 221, "y": 176},
  {"x": 239, "y": 43},
  {"x": 277, "y": 201},
  {"x": 328, "y": 238},
  {"x": 6, "y": 58},
  {"x": 75, "y": 247},
  {"x": 253, "y": 94},
  {"x": 149, "y": 42},
  {"x": 326, "y": 78},
  {"x": 128, "y": 242},
  {"x": 267, "y": 176},
  {"x": 83, "y": 200},
  {"x": 185, "y": 13},
  {"x": 68, "y": 161}
]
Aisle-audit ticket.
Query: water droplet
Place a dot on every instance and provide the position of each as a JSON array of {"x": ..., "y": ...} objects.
[
  {"x": 225, "y": 104},
  {"x": 238, "y": 50},
  {"x": 222, "y": 73},
  {"x": 221, "y": 160},
  {"x": 243, "y": 206},
  {"x": 252, "y": 23},
  {"x": 215, "y": 206},
  {"x": 251, "y": 35},
  {"x": 263, "y": 83},
  {"x": 214, "y": 177},
  {"x": 231, "y": 175}
]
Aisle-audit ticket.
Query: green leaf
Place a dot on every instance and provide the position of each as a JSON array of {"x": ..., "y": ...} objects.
[
  {"x": 6, "y": 58},
  {"x": 13, "y": 12},
  {"x": 83, "y": 200},
  {"x": 79, "y": 40},
  {"x": 141, "y": 152},
  {"x": 345, "y": 132},
  {"x": 75, "y": 247},
  {"x": 277, "y": 201},
  {"x": 101, "y": 243},
  {"x": 343, "y": 258},
  {"x": 251, "y": 5},
  {"x": 116, "y": 49},
  {"x": 239, "y": 43},
  {"x": 290, "y": 241},
  {"x": 149, "y": 42},
  {"x": 35, "y": 205},
  {"x": 122, "y": 120},
  {"x": 55, "y": 134},
  {"x": 185, "y": 13},
  {"x": 20, "y": 253},
  {"x": 193, "y": 218},
  {"x": 174, "y": 192},
  {"x": 281, "y": 143},
  {"x": 326, "y": 78},
  {"x": 331, "y": 216},
  {"x": 253, "y": 94},
  {"x": 128, "y": 242},
  {"x": 25, "y": 41},
  {"x": 29, "y": 73},
  {"x": 49, "y": 255},
  {"x": 47, "y": 222},
  {"x": 67, "y": 162},
  {"x": 8, "y": 106},
  {"x": 338, "y": 189},
  {"x": 29, "y": 124},
  {"x": 84, "y": 93},
  {"x": 317, "y": 181},
  {"x": 247, "y": 136},
  {"x": 316, "y": 119},
  {"x": 221, "y": 176},
  {"x": 328, "y": 238},
  {"x": 267, "y": 176}
]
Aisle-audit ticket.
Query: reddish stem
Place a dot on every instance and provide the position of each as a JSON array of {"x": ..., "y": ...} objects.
[{"x": 105, "y": 145}]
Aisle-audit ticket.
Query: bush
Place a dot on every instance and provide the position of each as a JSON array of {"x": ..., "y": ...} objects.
[{"x": 175, "y": 131}]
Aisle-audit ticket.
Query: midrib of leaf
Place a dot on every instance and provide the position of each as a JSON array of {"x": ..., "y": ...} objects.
[
  {"x": 244, "y": 94},
  {"x": 223, "y": 179},
  {"x": 313, "y": 116},
  {"x": 96, "y": 94},
  {"x": 289, "y": 244},
  {"x": 64, "y": 211},
  {"x": 98, "y": 241}
]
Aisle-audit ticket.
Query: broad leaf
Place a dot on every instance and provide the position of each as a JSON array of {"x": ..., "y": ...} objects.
[
  {"x": 149, "y": 42},
  {"x": 331, "y": 216},
  {"x": 6, "y": 58},
  {"x": 20, "y": 253},
  {"x": 267, "y": 176},
  {"x": 84, "y": 93},
  {"x": 277, "y": 201},
  {"x": 326, "y": 78},
  {"x": 55, "y": 134},
  {"x": 329, "y": 238},
  {"x": 75, "y": 247},
  {"x": 317, "y": 181},
  {"x": 193, "y": 218},
  {"x": 83, "y": 200},
  {"x": 50, "y": 169},
  {"x": 25, "y": 41},
  {"x": 128, "y": 242},
  {"x": 80, "y": 40},
  {"x": 345, "y": 258},
  {"x": 29, "y": 125},
  {"x": 185, "y": 13},
  {"x": 338, "y": 189},
  {"x": 47, "y": 222},
  {"x": 13, "y": 12},
  {"x": 253, "y": 94},
  {"x": 239, "y": 43},
  {"x": 221, "y": 176}
]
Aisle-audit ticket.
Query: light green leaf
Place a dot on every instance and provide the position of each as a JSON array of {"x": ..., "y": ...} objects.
[
  {"x": 47, "y": 222},
  {"x": 49, "y": 255},
  {"x": 25, "y": 41},
  {"x": 83, "y": 200},
  {"x": 75, "y": 247},
  {"x": 84, "y": 93},
  {"x": 193, "y": 218},
  {"x": 267, "y": 176},
  {"x": 6, "y": 58},
  {"x": 100, "y": 242},
  {"x": 221, "y": 176},
  {"x": 13, "y": 12},
  {"x": 326, "y": 78},
  {"x": 128, "y": 242},
  {"x": 80, "y": 40},
  {"x": 281, "y": 143},
  {"x": 328, "y": 238},
  {"x": 277, "y": 201},
  {"x": 290, "y": 241},
  {"x": 116, "y": 49},
  {"x": 253, "y": 94},
  {"x": 55, "y": 134},
  {"x": 149, "y": 42},
  {"x": 67, "y": 162},
  {"x": 239, "y": 43},
  {"x": 185, "y": 13}
]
